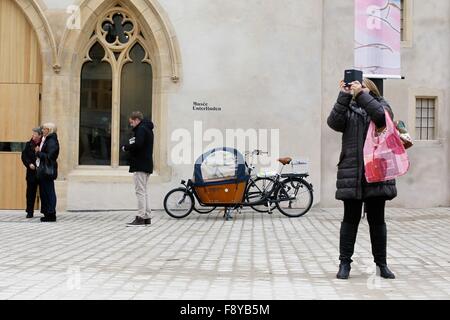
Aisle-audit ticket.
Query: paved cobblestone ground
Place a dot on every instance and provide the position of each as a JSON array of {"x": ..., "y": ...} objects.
[{"x": 255, "y": 256}]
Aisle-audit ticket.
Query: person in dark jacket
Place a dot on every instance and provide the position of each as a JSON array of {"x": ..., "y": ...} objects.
[
  {"x": 140, "y": 148},
  {"x": 47, "y": 155},
  {"x": 29, "y": 161},
  {"x": 356, "y": 106}
]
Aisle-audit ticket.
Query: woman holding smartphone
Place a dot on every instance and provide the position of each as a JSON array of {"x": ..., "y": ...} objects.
[{"x": 357, "y": 105}]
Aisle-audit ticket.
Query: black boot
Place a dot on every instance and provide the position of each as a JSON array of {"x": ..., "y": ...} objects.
[
  {"x": 49, "y": 218},
  {"x": 344, "y": 270},
  {"x": 378, "y": 238},
  {"x": 346, "y": 248}
]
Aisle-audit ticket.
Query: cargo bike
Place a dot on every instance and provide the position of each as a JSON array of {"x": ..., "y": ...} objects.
[{"x": 223, "y": 178}]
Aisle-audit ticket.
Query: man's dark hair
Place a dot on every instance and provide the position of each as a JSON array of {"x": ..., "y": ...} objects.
[{"x": 137, "y": 115}]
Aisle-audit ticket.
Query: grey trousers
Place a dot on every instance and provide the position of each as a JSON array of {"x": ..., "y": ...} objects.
[{"x": 140, "y": 184}]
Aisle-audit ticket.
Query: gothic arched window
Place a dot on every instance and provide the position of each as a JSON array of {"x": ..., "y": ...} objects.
[{"x": 116, "y": 79}]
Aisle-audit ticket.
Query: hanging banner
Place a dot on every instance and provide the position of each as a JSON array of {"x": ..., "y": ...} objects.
[{"x": 378, "y": 38}]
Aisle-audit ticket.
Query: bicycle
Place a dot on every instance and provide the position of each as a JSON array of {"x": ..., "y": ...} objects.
[
  {"x": 279, "y": 190},
  {"x": 256, "y": 184},
  {"x": 290, "y": 193}
]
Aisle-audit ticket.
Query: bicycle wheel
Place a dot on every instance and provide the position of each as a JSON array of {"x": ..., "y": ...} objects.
[
  {"x": 179, "y": 203},
  {"x": 200, "y": 209},
  {"x": 256, "y": 190},
  {"x": 294, "y": 197}
]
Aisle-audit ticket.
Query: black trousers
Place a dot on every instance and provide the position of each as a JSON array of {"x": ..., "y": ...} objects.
[
  {"x": 48, "y": 196},
  {"x": 32, "y": 186},
  {"x": 374, "y": 207},
  {"x": 349, "y": 229}
]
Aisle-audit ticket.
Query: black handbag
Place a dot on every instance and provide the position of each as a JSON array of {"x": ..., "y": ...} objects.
[{"x": 45, "y": 169}]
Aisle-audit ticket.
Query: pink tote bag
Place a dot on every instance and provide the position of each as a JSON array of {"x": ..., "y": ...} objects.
[{"x": 385, "y": 157}]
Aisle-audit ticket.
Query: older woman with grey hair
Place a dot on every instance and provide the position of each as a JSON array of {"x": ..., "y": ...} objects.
[{"x": 47, "y": 154}]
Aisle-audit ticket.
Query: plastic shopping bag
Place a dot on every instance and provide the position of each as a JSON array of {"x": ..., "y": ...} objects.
[{"x": 385, "y": 157}]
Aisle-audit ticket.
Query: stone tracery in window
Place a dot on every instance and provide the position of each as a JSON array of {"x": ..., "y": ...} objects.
[{"x": 118, "y": 31}]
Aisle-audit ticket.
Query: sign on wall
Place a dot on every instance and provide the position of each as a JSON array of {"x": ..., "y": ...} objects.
[{"x": 378, "y": 38}]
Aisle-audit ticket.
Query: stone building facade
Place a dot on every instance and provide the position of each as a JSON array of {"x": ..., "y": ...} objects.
[{"x": 270, "y": 67}]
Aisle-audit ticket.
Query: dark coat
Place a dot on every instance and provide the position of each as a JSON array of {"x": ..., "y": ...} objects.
[
  {"x": 352, "y": 118},
  {"x": 141, "y": 151},
  {"x": 29, "y": 157},
  {"x": 50, "y": 151}
]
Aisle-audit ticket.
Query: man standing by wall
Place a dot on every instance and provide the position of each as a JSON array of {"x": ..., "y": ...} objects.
[{"x": 140, "y": 148}]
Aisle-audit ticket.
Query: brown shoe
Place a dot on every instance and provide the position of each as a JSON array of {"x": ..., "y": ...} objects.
[{"x": 138, "y": 222}]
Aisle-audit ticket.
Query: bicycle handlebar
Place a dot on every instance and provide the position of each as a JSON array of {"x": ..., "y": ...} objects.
[{"x": 256, "y": 152}]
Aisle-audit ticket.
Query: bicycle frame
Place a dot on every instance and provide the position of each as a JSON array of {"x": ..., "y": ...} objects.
[
  {"x": 268, "y": 196},
  {"x": 260, "y": 192}
]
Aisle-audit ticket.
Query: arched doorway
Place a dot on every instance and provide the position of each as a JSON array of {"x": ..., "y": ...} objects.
[{"x": 20, "y": 83}]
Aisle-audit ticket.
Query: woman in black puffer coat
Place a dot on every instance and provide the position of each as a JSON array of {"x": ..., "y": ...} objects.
[{"x": 356, "y": 106}]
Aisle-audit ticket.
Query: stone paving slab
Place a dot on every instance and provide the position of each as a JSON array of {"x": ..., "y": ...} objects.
[{"x": 92, "y": 255}]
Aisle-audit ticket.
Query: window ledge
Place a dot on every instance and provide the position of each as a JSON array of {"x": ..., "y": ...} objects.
[
  {"x": 111, "y": 175},
  {"x": 428, "y": 143}
]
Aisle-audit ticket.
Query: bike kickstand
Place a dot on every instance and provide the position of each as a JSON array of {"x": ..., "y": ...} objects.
[
  {"x": 270, "y": 207},
  {"x": 228, "y": 216}
]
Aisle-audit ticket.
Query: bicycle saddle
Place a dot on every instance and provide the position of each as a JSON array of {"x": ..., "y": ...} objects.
[{"x": 285, "y": 161}]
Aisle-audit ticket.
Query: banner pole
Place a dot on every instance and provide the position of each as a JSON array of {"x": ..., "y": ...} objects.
[{"x": 379, "y": 83}]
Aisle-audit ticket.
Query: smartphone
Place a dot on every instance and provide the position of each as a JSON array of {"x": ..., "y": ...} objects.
[{"x": 352, "y": 75}]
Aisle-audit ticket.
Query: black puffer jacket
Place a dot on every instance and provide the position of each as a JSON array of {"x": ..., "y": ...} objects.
[
  {"x": 352, "y": 118},
  {"x": 28, "y": 158},
  {"x": 50, "y": 151},
  {"x": 141, "y": 150}
]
